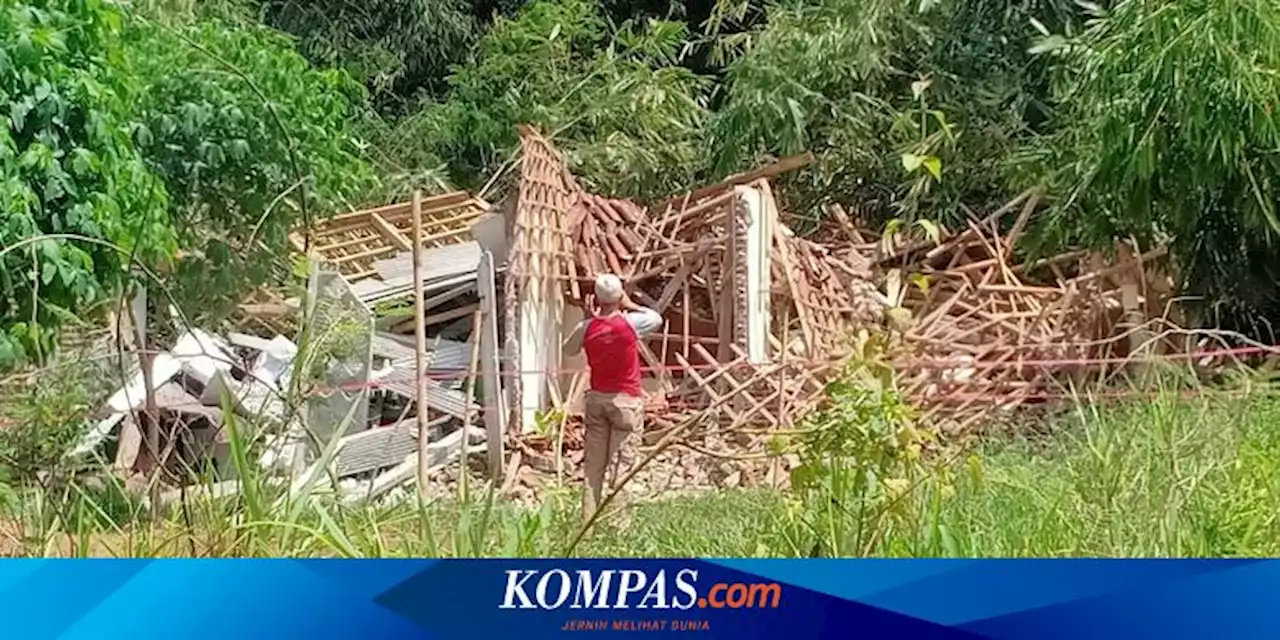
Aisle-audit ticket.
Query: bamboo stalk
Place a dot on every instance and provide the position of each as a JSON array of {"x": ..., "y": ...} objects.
[
  {"x": 420, "y": 341},
  {"x": 463, "y": 446}
]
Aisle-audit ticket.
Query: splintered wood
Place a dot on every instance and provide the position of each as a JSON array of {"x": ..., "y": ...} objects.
[
  {"x": 690, "y": 259},
  {"x": 756, "y": 319},
  {"x": 357, "y": 243},
  {"x": 540, "y": 248},
  {"x": 354, "y": 241},
  {"x": 990, "y": 333},
  {"x": 984, "y": 332},
  {"x": 540, "y": 260},
  {"x": 831, "y": 295}
]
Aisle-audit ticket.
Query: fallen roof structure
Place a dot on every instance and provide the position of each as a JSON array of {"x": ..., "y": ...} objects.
[
  {"x": 354, "y": 241},
  {"x": 758, "y": 320},
  {"x": 717, "y": 263}
]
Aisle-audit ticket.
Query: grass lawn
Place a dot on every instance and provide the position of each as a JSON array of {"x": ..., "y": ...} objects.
[{"x": 1175, "y": 476}]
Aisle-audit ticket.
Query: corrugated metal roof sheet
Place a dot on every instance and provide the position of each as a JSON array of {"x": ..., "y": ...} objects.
[
  {"x": 437, "y": 263},
  {"x": 376, "y": 448},
  {"x": 445, "y": 358},
  {"x": 439, "y": 397},
  {"x": 386, "y": 345},
  {"x": 442, "y": 267},
  {"x": 448, "y": 357}
]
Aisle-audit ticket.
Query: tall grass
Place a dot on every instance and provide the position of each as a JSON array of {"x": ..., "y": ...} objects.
[
  {"x": 1176, "y": 476},
  {"x": 1172, "y": 477}
]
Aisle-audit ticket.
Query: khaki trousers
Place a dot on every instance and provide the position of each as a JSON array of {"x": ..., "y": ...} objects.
[{"x": 610, "y": 420}]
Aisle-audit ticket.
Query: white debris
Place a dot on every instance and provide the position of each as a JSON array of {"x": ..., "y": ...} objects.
[
  {"x": 202, "y": 356},
  {"x": 163, "y": 368},
  {"x": 275, "y": 364}
]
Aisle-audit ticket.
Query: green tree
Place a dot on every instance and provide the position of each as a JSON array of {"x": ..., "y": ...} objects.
[
  {"x": 122, "y": 140},
  {"x": 400, "y": 49},
  {"x": 911, "y": 107},
  {"x": 1148, "y": 148},
  {"x": 250, "y": 141},
  {"x": 67, "y": 167},
  {"x": 630, "y": 118}
]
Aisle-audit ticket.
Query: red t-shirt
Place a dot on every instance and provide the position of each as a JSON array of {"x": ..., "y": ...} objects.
[{"x": 613, "y": 355}]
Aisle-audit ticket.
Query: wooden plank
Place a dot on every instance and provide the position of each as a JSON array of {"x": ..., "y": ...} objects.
[
  {"x": 444, "y": 200},
  {"x": 705, "y": 385},
  {"x": 846, "y": 225},
  {"x": 1022, "y": 289},
  {"x": 389, "y": 232},
  {"x": 728, "y": 296},
  {"x": 737, "y": 388},
  {"x": 715, "y": 207},
  {"x": 351, "y": 242},
  {"x": 678, "y": 280},
  {"x": 783, "y": 253},
  {"x": 452, "y": 314},
  {"x": 420, "y": 341},
  {"x": 452, "y": 222},
  {"x": 1033, "y": 201},
  {"x": 784, "y": 165},
  {"x": 688, "y": 313},
  {"x": 472, "y": 368},
  {"x": 363, "y": 255}
]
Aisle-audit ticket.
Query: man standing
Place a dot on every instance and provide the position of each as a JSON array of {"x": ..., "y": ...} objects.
[{"x": 615, "y": 402}]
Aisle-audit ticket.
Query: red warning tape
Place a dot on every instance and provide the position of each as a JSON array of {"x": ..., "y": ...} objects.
[{"x": 952, "y": 363}]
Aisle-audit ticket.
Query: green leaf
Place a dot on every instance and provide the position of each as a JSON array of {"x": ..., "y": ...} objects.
[
  {"x": 48, "y": 271},
  {"x": 911, "y": 162},
  {"x": 8, "y": 352},
  {"x": 18, "y": 113},
  {"x": 797, "y": 120},
  {"x": 1047, "y": 44},
  {"x": 931, "y": 230},
  {"x": 892, "y": 226},
  {"x": 949, "y": 546},
  {"x": 921, "y": 281},
  {"x": 943, "y": 124},
  {"x": 933, "y": 165}
]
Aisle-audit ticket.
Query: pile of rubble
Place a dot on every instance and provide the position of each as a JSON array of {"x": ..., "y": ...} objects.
[
  {"x": 989, "y": 333},
  {"x": 336, "y": 406},
  {"x": 757, "y": 321}
]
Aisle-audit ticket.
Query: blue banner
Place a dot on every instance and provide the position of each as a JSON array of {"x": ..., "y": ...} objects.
[{"x": 529, "y": 599}]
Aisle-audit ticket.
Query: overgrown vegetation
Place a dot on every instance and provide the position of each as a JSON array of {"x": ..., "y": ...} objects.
[
  {"x": 181, "y": 141},
  {"x": 203, "y": 130},
  {"x": 127, "y": 140},
  {"x": 1176, "y": 475}
]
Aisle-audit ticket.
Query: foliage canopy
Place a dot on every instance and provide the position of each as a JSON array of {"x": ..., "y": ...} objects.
[
  {"x": 67, "y": 166},
  {"x": 248, "y": 139},
  {"x": 221, "y": 133},
  {"x": 1148, "y": 148},
  {"x": 134, "y": 139}
]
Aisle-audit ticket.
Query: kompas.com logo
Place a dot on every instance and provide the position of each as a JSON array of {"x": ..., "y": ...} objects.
[{"x": 631, "y": 589}]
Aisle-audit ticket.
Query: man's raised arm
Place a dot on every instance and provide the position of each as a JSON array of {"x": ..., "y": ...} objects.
[
  {"x": 573, "y": 344},
  {"x": 643, "y": 319}
]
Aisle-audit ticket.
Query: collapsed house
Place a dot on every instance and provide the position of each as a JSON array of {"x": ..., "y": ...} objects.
[
  {"x": 757, "y": 321},
  {"x": 721, "y": 268}
]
